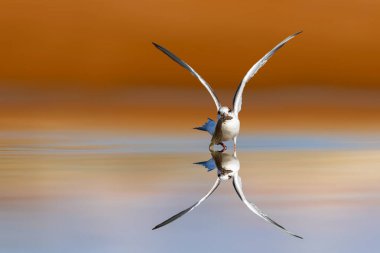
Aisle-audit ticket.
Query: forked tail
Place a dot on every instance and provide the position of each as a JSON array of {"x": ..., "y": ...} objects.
[{"x": 209, "y": 126}]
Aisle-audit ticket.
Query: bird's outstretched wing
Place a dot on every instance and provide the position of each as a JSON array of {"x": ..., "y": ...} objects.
[
  {"x": 239, "y": 92},
  {"x": 238, "y": 187},
  {"x": 178, "y": 215},
  {"x": 192, "y": 71}
]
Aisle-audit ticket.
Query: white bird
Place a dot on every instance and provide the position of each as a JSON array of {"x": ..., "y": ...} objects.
[
  {"x": 228, "y": 166},
  {"x": 228, "y": 124}
]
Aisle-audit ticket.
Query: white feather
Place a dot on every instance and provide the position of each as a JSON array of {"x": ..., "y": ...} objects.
[
  {"x": 192, "y": 71},
  {"x": 239, "y": 92}
]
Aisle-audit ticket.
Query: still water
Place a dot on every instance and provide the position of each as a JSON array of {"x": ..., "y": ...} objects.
[{"x": 81, "y": 192}]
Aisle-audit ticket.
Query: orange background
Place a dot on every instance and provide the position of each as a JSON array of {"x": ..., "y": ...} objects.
[{"x": 90, "y": 64}]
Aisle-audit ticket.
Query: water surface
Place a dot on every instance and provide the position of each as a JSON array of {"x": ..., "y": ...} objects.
[{"x": 77, "y": 193}]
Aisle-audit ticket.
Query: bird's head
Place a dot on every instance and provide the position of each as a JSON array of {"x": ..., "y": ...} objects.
[
  {"x": 224, "y": 112},
  {"x": 225, "y": 175}
]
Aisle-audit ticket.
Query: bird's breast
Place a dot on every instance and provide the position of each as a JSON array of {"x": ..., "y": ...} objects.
[
  {"x": 230, "y": 128},
  {"x": 232, "y": 165}
]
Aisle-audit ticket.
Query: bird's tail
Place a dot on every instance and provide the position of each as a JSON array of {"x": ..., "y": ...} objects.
[
  {"x": 209, "y": 126},
  {"x": 209, "y": 165}
]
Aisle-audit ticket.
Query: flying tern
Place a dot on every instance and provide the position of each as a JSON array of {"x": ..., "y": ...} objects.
[{"x": 228, "y": 125}]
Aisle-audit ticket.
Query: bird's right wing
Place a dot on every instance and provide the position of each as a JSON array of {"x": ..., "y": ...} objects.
[
  {"x": 192, "y": 71},
  {"x": 178, "y": 215},
  {"x": 238, "y": 187}
]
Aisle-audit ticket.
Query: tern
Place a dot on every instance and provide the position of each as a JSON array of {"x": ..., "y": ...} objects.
[
  {"x": 228, "y": 166},
  {"x": 228, "y": 124}
]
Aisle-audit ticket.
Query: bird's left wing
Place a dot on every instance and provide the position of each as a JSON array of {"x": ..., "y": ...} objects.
[
  {"x": 238, "y": 187},
  {"x": 239, "y": 92},
  {"x": 192, "y": 71},
  {"x": 178, "y": 215}
]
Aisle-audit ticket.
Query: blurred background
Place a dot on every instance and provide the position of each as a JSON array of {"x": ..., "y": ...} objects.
[
  {"x": 96, "y": 138},
  {"x": 75, "y": 64}
]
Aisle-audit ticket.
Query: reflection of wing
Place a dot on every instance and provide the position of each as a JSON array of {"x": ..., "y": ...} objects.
[
  {"x": 192, "y": 71},
  {"x": 238, "y": 187},
  {"x": 209, "y": 165},
  {"x": 173, "y": 218},
  {"x": 239, "y": 92}
]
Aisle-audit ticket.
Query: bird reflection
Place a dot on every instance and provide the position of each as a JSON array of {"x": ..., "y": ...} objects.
[{"x": 227, "y": 166}]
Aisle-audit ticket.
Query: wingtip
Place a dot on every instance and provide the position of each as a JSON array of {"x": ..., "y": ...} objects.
[
  {"x": 300, "y": 237},
  {"x": 155, "y": 44}
]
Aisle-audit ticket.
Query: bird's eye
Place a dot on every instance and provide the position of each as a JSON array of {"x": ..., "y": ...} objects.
[{"x": 229, "y": 110}]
